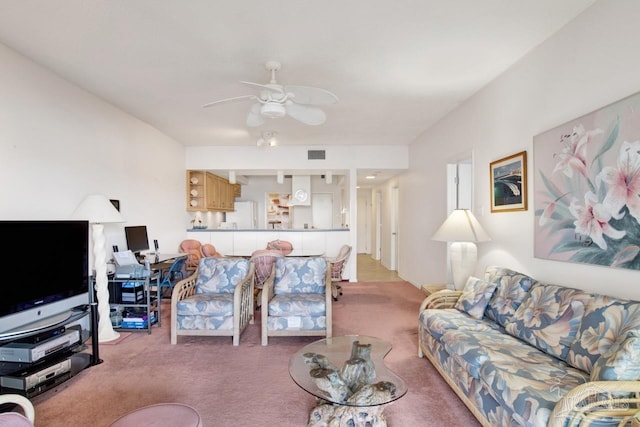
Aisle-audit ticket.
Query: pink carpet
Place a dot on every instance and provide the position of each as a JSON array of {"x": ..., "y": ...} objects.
[{"x": 250, "y": 385}]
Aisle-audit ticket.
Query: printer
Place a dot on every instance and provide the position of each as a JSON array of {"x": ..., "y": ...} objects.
[{"x": 127, "y": 266}]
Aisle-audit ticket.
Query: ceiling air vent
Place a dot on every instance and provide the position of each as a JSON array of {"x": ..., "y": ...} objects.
[{"x": 316, "y": 155}]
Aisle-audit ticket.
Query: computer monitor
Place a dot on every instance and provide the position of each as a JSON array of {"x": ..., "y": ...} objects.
[{"x": 137, "y": 238}]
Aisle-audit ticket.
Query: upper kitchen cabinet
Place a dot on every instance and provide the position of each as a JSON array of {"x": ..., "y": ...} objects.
[{"x": 209, "y": 192}]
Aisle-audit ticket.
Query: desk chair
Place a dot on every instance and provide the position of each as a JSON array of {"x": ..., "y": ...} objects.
[
  {"x": 193, "y": 248},
  {"x": 338, "y": 264},
  {"x": 263, "y": 260},
  {"x": 280, "y": 245},
  {"x": 208, "y": 250},
  {"x": 176, "y": 272}
]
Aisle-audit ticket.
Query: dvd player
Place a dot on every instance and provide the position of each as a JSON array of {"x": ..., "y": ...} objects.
[
  {"x": 31, "y": 380},
  {"x": 32, "y": 352}
]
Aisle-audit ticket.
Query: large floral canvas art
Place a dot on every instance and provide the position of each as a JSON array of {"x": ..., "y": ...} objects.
[{"x": 587, "y": 188}]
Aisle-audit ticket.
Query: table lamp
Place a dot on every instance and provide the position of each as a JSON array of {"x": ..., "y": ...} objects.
[
  {"x": 463, "y": 230},
  {"x": 98, "y": 210}
]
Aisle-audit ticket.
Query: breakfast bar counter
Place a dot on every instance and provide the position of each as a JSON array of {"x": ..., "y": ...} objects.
[{"x": 230, "y": 241}]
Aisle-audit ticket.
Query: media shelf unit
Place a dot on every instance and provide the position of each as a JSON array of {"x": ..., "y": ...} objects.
[
  {"x": 47, "y": 372},
  {"x": 148, "y": 302}
]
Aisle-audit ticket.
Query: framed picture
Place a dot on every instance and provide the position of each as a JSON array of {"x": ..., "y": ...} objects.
[
  {"x": 587, "y": 181},
  {"x": 508, "y": 182}
]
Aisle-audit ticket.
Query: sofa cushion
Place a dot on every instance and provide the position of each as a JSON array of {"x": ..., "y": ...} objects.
[
  {"x": 511, "y": 289},
  {"x": 306, "y": 323},
  {"x": 620, "y": 362},
  {"x": 529, "y": 387},
  {"x": 298, "y": 305},
  {"x": 300, "y": 275},
  {"x": 206, "y": 305},
  {"x": 475, "y": 297},
  {"x": 438, "y": 321},
  {"x": 548, "y": 318},
  {"x": 220, "y": 275},
  {"x": 200, "y": 323},
  {"x": 606, "y": 321},
  {"x": 472, "y": 348}
]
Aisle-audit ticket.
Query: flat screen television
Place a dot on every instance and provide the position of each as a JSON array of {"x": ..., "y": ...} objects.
[
  {"x": 137, "y": 238},
  {"x": 45, "y": 272}
]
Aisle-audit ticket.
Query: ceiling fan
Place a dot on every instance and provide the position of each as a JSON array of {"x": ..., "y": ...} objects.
[{"x": 275, "y": 100}]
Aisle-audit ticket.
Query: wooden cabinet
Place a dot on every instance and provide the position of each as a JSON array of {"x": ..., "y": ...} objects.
[{"x": 209, "y": 192}]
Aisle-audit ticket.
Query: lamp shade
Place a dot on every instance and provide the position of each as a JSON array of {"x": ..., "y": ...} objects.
[
  {"x": 461, "y": 226},
  {"x": 97, "y": 209}
]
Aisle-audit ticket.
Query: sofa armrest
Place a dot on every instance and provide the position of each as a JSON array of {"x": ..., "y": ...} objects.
[
  {"x": 595, "y": 400},
  {"x": 445, "y": 298}
]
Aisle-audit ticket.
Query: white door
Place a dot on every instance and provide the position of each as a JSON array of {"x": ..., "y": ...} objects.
[
  {"x": 393, "y": 262},
  {"x": 363, "y": 225}
]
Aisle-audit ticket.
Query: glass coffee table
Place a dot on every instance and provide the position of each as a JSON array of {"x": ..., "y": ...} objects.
[{"x": 349, "y": 378}]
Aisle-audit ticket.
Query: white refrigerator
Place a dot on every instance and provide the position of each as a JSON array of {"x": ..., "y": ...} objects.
[{"x": 244, "y": 216}]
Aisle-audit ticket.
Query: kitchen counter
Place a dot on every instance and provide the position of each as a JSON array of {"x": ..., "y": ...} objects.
[
  {"x": 258, "y": 230},
  {"x": 312, "y": 240}
]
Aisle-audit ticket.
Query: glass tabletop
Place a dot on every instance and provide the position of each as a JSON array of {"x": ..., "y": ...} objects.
[{"x": 347, "y": 370}]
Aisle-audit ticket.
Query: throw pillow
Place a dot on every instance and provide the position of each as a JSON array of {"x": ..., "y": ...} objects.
[
  {"x": 475, "y": 297},
  {"x": 512, "y": 288},
  {"x": 620, "y": 362},
  {"x": 548, "y": 318}
]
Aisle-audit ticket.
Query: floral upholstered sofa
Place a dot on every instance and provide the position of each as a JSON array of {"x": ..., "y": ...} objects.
[{"x": 520, "y": 352}]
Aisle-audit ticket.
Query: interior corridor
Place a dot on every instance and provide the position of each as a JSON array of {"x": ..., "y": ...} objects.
[{"x": 370, "y": 270}]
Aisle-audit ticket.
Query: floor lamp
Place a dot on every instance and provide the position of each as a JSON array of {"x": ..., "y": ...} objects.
[
  {"x": 98, "y": 210},
  {"x": 463, "y": 230}
]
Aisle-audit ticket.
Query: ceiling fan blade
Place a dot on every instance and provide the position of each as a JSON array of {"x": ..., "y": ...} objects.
[
  {"x": 270, "y": 87},
  {"x": 308, "y": 95},
  {"x": 307, "y": 115},
  {"x": 234, "y": 99},
  {"x": 254, "y": 118}
]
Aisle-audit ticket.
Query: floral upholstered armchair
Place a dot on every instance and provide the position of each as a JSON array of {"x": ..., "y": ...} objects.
[
  {"x": 216, "y": 300},
  {"x": 296, "y": 299}
]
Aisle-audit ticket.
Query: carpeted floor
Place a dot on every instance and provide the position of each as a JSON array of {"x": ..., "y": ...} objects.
[{"x": 249, "y": 385}]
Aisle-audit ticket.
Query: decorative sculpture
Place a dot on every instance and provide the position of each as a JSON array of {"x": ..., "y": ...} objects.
[{"x": 358, "y": 400}]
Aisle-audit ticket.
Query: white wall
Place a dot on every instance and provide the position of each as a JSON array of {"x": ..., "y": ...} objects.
[
  {"x": 59, "y": 143},
  {"x": 588, "y": 64},
  {"x": 290, "y": 158}
]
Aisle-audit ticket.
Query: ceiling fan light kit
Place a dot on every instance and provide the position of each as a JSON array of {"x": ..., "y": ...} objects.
[
  {"x": 276, "y": 101},
  {"x": 268, "y": 139},
  {"x": 273, "y": 110}
]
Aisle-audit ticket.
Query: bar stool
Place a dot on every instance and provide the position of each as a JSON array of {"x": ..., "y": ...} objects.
[{"x": 160, "y": 415}]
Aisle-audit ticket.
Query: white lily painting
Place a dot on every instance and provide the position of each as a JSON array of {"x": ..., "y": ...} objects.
[{"x": 587, "y": 188}]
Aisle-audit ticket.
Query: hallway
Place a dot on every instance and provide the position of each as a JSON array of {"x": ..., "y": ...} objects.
[{"x": 370, "y": 270}]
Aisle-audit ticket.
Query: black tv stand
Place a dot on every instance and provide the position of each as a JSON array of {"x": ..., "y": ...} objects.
[{"x": 32, "y": 379}]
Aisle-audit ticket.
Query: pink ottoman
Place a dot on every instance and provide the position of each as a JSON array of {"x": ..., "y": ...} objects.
[{"x": 161, "y": 415}]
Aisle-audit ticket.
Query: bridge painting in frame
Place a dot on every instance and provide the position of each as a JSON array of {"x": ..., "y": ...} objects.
[{"x": 508, "y": 180}]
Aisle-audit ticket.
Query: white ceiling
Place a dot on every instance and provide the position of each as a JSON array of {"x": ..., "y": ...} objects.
[{"x": 397, "y": 65}]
